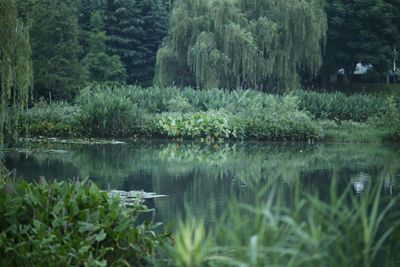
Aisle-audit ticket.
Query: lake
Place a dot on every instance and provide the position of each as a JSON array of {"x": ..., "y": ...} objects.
[{"x": 204, "y": 178}]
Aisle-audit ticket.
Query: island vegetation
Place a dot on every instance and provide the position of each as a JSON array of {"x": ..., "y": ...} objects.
[{"x": 208, "y": 70}]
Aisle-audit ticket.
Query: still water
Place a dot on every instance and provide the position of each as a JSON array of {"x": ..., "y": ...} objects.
[{"x": 204, "y": 177}]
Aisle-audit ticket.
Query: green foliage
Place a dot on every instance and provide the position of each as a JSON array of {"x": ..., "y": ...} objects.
[
  {"x": 135, "y": 29},
  {"x": 56, "y": 119},
  {"x": 287, "y": 126},
  {"x": 191, "y": 244},
  {"x": 338, "y": 106},
  {"x": 86, "y": 10},
  {"x": 241, "y": 44},
  {"x": 350, "y": 131},
  {"x": 392, "y": 118},
  {"x": 54, "y": 38},
  {"x": 394, "y": 135},
  {"x": 108, "y": 112},
  {"x": 211, "y": 125},
  {"x": 15, "y": 69},
  {"x": 71, "y": 224},
  {"x": 101, "y": 67},
  {"x": 361, "y": 31},
  {"x": 129, "y": 111},
  {"x": 154, "y": 14},
  {"x": 179, "y": 104},
  {"x": 210, "y": 114},
  {"x": 342, "y": 230}
]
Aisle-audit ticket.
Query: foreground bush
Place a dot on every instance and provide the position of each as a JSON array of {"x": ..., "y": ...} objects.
[{"x": 71, "y": 224}]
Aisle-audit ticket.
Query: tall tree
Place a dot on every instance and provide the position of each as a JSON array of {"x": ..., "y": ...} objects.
[
  {"x": 123, "y": 26},
  {"x": 15, "y": 69},
  {"x": 241, "y": 43},
  {"x": 155, "y": 27},
  {"x": 101, "y": 66},
  {"x": 135, "y": 29},
  {"x": 361, "y": 31},
  {"x": 86, "y": 9},
  {"x": 54, "y": 39}
]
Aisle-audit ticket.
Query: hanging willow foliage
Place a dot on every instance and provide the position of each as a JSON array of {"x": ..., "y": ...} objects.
[
  {"x": 15, "y": 69},
  {"x": 242, "y": 43}
]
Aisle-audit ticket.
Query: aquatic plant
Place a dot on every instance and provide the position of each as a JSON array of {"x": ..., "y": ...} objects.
[
  {"x": 210, "y": 125},
  {"x": 72, "y": 224}
]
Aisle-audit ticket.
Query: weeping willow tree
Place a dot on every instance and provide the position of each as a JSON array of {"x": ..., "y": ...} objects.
[
  {"x": 242, "y": 43},
  {"x": 15, "y": 69}
]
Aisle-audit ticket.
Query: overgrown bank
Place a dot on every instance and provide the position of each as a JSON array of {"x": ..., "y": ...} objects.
[{"x": 130, "y": 111}]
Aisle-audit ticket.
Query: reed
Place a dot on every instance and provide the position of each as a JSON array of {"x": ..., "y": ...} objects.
[{"x": 344, "y": 229}]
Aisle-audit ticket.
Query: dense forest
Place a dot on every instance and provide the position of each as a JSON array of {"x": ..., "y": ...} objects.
[
  {"x": 223, "y": 44},
  {"x": 61, "y": 47}
]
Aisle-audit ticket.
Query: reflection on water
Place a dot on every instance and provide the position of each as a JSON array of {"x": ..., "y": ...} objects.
[
  {"x": 360, "y": 181},
  {"x": 205, "y": 177}
]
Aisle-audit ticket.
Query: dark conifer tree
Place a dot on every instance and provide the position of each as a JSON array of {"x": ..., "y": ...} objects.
[
  {"x": 101, "y": 66},
  {"x": 135, "y": 29},
  {"x": 155, "y": 17},
  {"x": 123, "y": 26},
  {"x": 86, "y": 9}
]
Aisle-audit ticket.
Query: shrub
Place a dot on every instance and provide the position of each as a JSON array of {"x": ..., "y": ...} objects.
[
  {"x": 109, "y": 112},
  {"x": 179, "y": 104},
  {"x": 71, "y": 224},
  {"x": 55, "y": 119},
  {"x": 281, "y": 126}
]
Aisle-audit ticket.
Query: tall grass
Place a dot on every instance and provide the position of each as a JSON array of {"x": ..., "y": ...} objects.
[
  {"x": 129, "y": 111},
  {"x": 57, "y": 119},
  {"x": 344, "y": 230},
  {"x": 109, "y": 113},
  {"x": 338, "y": 106}
]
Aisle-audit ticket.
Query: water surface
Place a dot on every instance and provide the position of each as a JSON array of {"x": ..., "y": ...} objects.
[{"x": 206, "y": 177}]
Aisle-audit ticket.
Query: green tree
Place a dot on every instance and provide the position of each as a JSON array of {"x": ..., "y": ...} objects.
[
  {"x": 15, "y": 69},
  {"x": 155, "y": 27},
  {"x": 241, "y": 43},
  {"x": 135, "y": 29},
  {"x": 362, "y": 31},
  {"x": 123, "y": 26},
  {"x": 101, "y": 66},
  {"x": 24, "y": 8},
  {"x": 54, "y": 39},
  {"x": 86, "y": 10}
]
